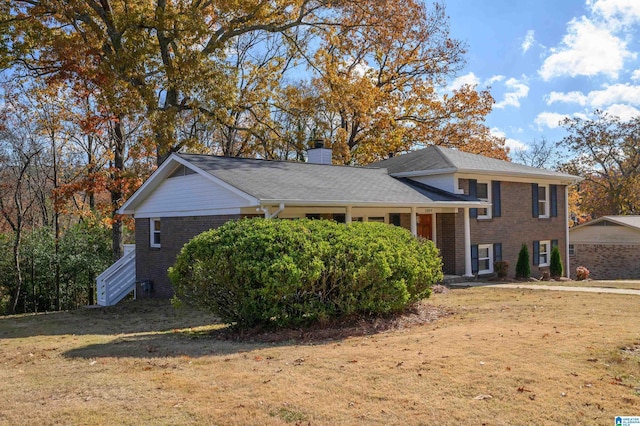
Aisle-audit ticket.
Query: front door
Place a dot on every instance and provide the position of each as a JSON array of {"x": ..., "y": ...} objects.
[{"x": 424, "y": 226}]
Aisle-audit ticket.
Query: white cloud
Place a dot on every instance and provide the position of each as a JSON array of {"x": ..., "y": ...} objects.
[
  {"x": 528, "y": 41},
  {"x": 495, "y": 79},
  {"x": 617, "y": 12},
  {"x": 616, "y": 93},
  {"x": 570, "y": 97},
  {"x": 512, "y": 144},
  {"x": 470, "y": 79},
  {"x": 635, "y": 75},
  {"x": 625, "y": 112},
  {"x": 549, "y": 119},
  {"x": 516, "y": 91},
  {"x": 589, "y": 48},
  {"x": 609, "y": 95}
]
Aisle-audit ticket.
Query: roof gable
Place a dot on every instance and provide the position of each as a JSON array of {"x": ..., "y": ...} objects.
[
  {"x": 629, "y": 221},
  {"x": 438, "y": 160}
]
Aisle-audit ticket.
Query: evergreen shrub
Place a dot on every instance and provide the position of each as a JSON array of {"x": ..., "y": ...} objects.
[
  {"x": 523, "y": 269},
  {"x": 287, "y": 272},
  {"x": 555, "y": 266}
]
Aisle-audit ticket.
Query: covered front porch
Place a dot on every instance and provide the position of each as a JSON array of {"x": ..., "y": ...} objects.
[{"x": 421, "y": 221}]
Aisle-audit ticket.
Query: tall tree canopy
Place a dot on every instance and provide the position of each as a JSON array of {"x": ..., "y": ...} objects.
[
  {"x": 607, "y": 155},
  {"x": 368, "y": 76}
]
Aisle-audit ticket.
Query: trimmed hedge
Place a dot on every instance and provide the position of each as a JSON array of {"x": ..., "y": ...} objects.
[{"x": 287, "y": 272}]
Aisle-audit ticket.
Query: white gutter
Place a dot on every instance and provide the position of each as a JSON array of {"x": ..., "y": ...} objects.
[
  {"x": 562, "y": 178},
  {"x": 342, "y": 203}
]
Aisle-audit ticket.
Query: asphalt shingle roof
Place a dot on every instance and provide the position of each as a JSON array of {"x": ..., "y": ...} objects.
[
  {"x": 438, "y": 158},
  {"x": 289, "y": 181}
]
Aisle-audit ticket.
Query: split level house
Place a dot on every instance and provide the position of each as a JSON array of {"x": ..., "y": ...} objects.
[{"x": 476, "y": 209}]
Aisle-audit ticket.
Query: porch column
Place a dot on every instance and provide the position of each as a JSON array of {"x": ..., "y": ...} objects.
[
  {"x": 347, "y": 216},
  {"x": 434, "y": 232},
  {"x": 467, "y": 244},
  {"x": 414, "y": 221}
]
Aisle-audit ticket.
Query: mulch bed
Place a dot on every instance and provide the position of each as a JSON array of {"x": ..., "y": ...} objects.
[{"x": 418, "y": 314}]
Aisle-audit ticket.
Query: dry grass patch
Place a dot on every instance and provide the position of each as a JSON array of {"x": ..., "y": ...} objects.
[{"x": 493, "y": 356}]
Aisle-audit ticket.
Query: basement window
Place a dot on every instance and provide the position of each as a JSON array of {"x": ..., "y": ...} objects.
[{"x": 155, "y": 233}]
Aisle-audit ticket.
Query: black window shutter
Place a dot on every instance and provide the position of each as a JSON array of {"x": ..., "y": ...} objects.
[
  {"x": 536, "y": 252},
  {"x": 473, "y": 192},
  {"x": 554, "y": 243},
  {"x": 534, "y": 199},
  {"x": 554, "y": 200},
  {"x": 495, "y": 198},
  {"x": 474, "y": 258},
  {"x": 497, "y": 252}
]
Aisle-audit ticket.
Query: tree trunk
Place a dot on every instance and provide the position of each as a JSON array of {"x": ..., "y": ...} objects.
[{"x": 116, "y": 188}]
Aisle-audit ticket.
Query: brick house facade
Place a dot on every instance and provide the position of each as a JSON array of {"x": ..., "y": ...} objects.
[
  {"x": 515, "y": 226},
  {"x": 476, "y": 209},
  {"x": 152, "y": 263}
]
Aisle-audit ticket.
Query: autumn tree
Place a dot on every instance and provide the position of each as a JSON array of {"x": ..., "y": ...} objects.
[
  {"x": 541, "y": 153},
  {"x": 607, "y": 155},
  {"x": 19, "y": 152},
  {"x": 380, "y": 82}
]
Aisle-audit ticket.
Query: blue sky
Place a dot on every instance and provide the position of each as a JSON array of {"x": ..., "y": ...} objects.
[{"x": 549, "y": 59}]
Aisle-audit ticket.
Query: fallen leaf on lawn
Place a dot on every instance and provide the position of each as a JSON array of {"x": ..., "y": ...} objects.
[
  {"x": 523, "y": 389},
  {"x": 487, "y": 396}
]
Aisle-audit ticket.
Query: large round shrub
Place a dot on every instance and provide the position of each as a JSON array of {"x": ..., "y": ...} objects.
[{"x": 284, "y": 272}]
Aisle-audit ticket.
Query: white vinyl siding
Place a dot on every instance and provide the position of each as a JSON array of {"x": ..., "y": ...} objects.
[
  {"x": 191, "y": 193},
  {"x": 445, "y": 182}
]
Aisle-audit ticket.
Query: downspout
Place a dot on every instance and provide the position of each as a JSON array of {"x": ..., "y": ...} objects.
[
  {"x": 468, "y": 270},
  {"x": 566, "y": 226},
  {"x": 268, "y": 215}
]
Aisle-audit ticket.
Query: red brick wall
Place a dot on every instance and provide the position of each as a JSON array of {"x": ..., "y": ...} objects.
[
  {"x": 515, "y": 226},
  {"x": 152, "y": 263},
  {"x": 607, "y": 261}
]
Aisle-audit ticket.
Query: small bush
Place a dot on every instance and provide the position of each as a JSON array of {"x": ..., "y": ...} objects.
[
  {"x": 501, "y": 268},
  {"x": 286, "y": 272},
  {"x": 582, "y": 273},
  {"x": 523, "y": 269},
  {"x": 555, "y": 266}
]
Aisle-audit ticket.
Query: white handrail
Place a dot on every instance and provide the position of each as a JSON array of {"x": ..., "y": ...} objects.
[{"x": 117, "y": 281}]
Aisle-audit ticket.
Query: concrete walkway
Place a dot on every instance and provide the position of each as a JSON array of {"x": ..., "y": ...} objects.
[{"x": 549, "y": 287}]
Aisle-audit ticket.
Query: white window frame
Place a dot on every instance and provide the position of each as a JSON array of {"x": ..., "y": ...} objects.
[
  {"x": 153, "y": 232},
  {"x": 544, "y": 212},
  {"x": 488, "y": 200},
  {"x": 572, "y": 250},
  {"x": 489, "y": 248},
  {"x": 548, "y": 253}
]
